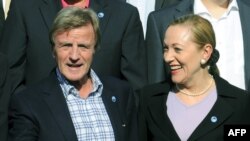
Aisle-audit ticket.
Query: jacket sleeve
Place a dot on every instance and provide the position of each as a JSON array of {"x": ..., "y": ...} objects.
[{"x": 22, "y": 126}]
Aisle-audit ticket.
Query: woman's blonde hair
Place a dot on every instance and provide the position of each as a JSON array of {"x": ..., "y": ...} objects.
[{"x": 203, "y": 33}]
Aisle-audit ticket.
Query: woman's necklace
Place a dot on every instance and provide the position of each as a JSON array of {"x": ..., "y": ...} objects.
[{"x": 195, "y": 94}]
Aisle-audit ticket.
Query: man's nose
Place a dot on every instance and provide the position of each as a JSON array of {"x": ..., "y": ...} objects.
[{"x": 74, "y": 54}]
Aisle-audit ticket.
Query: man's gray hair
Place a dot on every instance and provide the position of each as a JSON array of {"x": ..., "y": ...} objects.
[{"x": 73, "y": 17}]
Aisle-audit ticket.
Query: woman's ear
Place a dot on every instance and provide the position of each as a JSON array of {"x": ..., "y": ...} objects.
[{"x": 207, "y": 51}]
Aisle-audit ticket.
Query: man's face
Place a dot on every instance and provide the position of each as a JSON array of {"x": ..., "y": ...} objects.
[{"x": 74, "y": 51}]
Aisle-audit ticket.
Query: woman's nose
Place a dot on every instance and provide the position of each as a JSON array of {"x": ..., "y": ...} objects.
[{"x": 168, "y": 56}]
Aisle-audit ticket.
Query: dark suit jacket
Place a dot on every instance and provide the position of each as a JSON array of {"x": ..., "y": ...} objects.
[
  {"x": 164, "y": 3},
  {"x": 40, "y": 112},
  {"x": 27, "y": 44},
  {"x": 231, "y": 107},
  {"x": 4, "y": 97},
  {"x": 156, "y": 26}
]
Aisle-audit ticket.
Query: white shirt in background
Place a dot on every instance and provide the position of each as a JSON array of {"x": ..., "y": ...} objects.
[
  {"x": 229, "y": 42},
  {"x": 6, "y": 4}
]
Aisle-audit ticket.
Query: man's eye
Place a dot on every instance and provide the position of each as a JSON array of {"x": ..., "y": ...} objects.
[
  {"x": 66, "y": 45},
  {"x": 82, "y": 46}
]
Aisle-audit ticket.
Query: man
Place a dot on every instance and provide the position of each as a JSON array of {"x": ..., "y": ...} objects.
[
  {"x": 73, "y": 103},
  {"x": 26, "y": 42},
  {"x": 232, "y": 28}
]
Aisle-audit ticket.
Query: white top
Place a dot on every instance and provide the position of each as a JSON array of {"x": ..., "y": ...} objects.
[
  {"x": 229, "y": 42},
  {"x": 144, "y": 7}
]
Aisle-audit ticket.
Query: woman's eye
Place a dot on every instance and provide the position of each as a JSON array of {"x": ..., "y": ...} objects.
[
  {"x": 177, "y": 49},
  {"x": 165, "y": 49}
]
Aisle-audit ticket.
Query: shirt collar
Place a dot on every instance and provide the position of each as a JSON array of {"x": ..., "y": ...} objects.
[
  {"x": 199, "y": 7},
  {"x": 68, "y": 89}
]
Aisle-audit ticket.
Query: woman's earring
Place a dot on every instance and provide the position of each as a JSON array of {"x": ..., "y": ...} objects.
[{"x": 203, "y": 61}]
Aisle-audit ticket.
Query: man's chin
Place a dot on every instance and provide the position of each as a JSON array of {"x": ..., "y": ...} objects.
[{"x": 77, "y": 79}]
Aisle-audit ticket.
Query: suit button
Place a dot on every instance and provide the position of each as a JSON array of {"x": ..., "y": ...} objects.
[
  {"x": 100, "y": 14},
  {"x": 214, "y": 119},
  {"x": 113, "y": 98},
  {"x": 123, "y": 125}
]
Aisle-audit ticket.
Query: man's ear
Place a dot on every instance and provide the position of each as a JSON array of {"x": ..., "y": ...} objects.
[{"x": 53, "y": 53}]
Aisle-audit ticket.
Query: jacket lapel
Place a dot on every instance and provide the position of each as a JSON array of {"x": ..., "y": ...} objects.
[
  {"x": 111, "y": 103},
  {"x": 165, "y": 3},
  {"x": 158, "y": 112},
  {"x": 183, "y": 8},
  {"x": 220, "y": 112},
  {"x": 158, "y": 4},
  {"x": 49, "y": 9},
  {"x": 103, "y": 12},
  {"x": 56, "y": 102}
]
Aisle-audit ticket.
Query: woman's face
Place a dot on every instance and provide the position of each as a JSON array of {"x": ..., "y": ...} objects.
[{"x": 182, "y": 54}]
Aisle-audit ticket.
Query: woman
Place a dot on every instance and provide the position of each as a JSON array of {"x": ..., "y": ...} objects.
[{"x": 197, "y": 102}]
